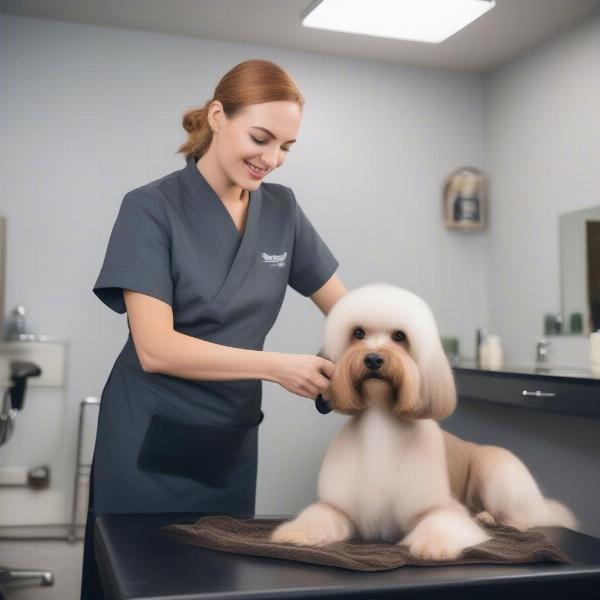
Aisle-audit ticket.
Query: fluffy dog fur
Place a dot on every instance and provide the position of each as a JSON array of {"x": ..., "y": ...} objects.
[{"x": 391, "y": 473}]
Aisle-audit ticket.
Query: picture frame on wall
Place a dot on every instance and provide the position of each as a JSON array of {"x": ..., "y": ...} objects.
[{"x": 465, "y": 199}]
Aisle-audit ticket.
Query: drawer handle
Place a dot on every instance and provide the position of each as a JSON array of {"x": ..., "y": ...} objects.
[{"x": 539, "y": 394}]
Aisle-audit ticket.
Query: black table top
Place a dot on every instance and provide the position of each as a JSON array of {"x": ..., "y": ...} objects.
[{"x": 138, "y": 561}]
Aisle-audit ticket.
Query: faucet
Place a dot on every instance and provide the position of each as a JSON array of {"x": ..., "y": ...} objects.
[{"x": 541, "y": 353}]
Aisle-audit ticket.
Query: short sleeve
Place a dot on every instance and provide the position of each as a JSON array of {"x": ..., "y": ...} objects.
[
  {"x": 312, "y": 261},
  {"x": 138, "y": 256}
]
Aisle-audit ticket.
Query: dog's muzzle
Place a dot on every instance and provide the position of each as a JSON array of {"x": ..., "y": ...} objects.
[{"x": 373, "y": 362}]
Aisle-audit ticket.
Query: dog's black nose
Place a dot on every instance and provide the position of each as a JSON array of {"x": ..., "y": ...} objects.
[{"x": 373, "y": 361}]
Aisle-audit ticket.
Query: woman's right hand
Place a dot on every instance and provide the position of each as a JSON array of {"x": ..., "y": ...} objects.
[{"x": 304, "y": 374}]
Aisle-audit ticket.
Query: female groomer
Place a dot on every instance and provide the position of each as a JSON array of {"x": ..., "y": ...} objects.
[{"x": 200, "y": 260}]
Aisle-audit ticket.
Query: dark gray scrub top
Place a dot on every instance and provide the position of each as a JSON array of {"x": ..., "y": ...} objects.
[{"x": 166, "y": 443}]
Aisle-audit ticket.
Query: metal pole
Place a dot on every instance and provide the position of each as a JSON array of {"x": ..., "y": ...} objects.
[{"x": 89, "y": 401}]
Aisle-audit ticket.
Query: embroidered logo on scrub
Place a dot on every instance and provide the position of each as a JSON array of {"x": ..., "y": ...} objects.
[{"x": 275, "y": 260}]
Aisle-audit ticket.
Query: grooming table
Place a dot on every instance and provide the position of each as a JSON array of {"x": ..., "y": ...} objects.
[{"x": 138, "y": 561}]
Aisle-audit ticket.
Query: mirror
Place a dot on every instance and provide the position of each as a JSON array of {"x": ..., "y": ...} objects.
[{"x": 580, "y": 271}]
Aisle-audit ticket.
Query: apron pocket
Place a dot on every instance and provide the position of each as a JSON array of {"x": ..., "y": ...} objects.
[{"x": 206, "y": 453}]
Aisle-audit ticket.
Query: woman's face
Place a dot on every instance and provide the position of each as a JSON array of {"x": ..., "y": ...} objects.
[{"x": 260, "y": 135}]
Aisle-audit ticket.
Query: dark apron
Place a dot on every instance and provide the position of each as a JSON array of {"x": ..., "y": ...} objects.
[{"x": 152, "y": 454}]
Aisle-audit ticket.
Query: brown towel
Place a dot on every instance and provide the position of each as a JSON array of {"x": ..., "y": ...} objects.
[{"x": 251, "y": 536}]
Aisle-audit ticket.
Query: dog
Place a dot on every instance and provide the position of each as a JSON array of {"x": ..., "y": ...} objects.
[{"x": 391, "y": 473}]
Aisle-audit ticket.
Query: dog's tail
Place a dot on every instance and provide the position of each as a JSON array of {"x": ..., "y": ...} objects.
[{"x": 557, "y": 514}]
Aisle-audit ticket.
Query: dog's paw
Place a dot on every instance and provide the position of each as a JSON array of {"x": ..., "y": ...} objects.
[
  {"x": 485, "y": 518},
  {"x": 290, "y": 536},
  {"x": 435, "y": 549},
  {"x": 443, "y": 535},
  {"x": 291, "y": 533}
]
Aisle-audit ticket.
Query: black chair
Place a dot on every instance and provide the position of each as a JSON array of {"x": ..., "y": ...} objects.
[{"x": 12, "y": 403}]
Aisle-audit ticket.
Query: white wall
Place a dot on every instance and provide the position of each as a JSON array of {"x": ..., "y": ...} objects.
[
  {"x": 89, "y": 113},
  {"x": 542, "y": 137}
]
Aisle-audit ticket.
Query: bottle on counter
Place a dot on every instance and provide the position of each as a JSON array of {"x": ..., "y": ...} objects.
[
  {"x": 576, "y": 322},
  {"x": 559, "y": 323},
  {"x": 549, "y": 324},
  {"x": 490, "y": 353},
  {"x": 17, "y": 325},
  {"x": 479, "y": 338},
  {"x": 450, "y": 346}
]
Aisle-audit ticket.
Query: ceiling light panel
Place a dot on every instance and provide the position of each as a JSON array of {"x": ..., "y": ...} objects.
[{"x": 430, "y": 21}]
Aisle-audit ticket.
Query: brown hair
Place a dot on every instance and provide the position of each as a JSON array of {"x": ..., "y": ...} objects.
[{"x": 251, "y": 82}]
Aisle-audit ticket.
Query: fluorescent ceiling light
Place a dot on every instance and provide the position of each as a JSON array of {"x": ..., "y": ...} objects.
[{"x": 430, "y": 21}]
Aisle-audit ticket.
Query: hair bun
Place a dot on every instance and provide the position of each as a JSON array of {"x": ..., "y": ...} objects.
[{"x": 194, "y": 119}]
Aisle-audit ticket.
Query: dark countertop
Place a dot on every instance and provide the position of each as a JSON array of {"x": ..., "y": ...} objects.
[
  {"x": 567, "y": 373},
  {"x": 138, "y": 561}
]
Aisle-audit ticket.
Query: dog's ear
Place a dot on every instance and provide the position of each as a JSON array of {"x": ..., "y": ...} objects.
[
  {"x": 342, "y": 395},
  {"x": 437, "y": 389}
]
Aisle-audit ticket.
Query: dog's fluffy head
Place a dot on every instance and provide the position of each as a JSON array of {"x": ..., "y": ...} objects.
[{"x": 387, "y": 350}]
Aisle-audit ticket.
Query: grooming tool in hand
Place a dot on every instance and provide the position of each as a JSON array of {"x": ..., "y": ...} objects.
[
  {"x": 320, "y": 402},
  {"x": 322, "y": 405}
]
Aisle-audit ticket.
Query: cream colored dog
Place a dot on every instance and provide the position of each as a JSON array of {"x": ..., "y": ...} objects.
[{"x": 391, "y": 473}]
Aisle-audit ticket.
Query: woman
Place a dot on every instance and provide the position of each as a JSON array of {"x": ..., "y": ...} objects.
[{"x": 200, "y": 261}]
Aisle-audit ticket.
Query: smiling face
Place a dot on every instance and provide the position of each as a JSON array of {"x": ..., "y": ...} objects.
[{"x": 255, "y": 141}]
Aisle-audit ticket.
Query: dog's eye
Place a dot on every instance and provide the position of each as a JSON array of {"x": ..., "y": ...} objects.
[
  {"x": 359, "y": 333},
  {"x": 398, "y": 336}
]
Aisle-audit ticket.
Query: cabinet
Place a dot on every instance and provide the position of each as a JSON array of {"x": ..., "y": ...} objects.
[{"x": 561, "y": 391}]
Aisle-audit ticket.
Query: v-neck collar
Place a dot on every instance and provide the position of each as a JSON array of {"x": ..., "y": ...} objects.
[
  {"x": 204, "y": 193},
  {"x": 245, "y": 253}
]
